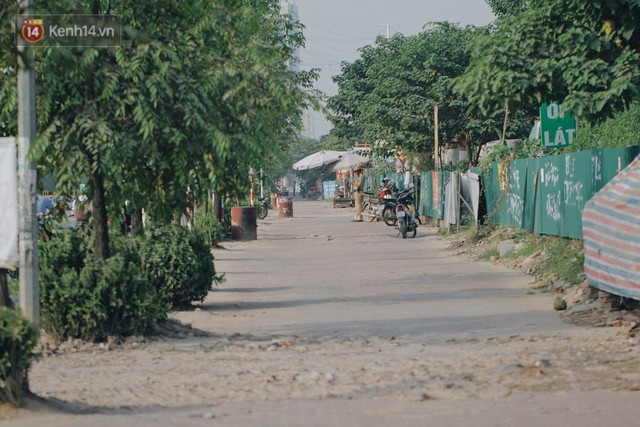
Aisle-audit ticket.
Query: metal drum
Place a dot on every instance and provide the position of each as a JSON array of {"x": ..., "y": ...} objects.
[
  {"x": 285, "y": 207},
  {"x": 244, "y": 224}
]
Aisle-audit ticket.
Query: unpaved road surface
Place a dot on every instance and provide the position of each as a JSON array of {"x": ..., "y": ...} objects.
[{"x": 324, "y": 322}]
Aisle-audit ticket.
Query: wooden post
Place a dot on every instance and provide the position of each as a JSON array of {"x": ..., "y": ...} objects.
[{"x": 504, "y": 127}]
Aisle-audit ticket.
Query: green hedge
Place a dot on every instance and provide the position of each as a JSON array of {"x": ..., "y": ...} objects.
[
  {"x": 82, "y": 297},
  {"x": 622, "y": 130},
  {"x": 179, "y": 264},
  {"x": 18, "y": 337},
  {"x": 128, "y": 293},
  {"x": 209, "y": 226}
]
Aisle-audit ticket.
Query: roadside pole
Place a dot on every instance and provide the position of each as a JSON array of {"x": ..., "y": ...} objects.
[
  {"x": 261, "y": 186},
  {"x": 27, "y": 180},
  {"x": 436, "y": 148}
]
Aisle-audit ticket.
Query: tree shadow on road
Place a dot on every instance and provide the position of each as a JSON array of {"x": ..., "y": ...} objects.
[{"x": 252, "y": 290}]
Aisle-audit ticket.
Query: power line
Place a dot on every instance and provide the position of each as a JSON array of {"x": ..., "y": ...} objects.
[
  {"x": 332, "y": 47},
  {"x": 336, "y": 17},
  {"x": 320, "y": 64},
  {"x": 324, "y": 58},
  {"x": 305, "y": 21}
]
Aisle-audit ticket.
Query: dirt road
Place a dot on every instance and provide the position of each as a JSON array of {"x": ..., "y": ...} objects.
[{"x": 326, "y": 322}]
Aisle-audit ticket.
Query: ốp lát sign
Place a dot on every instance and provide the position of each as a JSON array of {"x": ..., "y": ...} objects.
[{"x": 557, "y": 127}]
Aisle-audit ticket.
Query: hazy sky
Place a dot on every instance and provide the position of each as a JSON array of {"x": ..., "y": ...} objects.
[{"x": 335, "y": 29}]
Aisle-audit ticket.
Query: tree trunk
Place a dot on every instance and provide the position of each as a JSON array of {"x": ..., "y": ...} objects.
[
  {"x": 5, "y": 296},
  {"x": 136, "y": 221},
  {"x": 100, "y": 231},
  {"x": 504, "y": 127},
  {"x": 217, "y": 205}
]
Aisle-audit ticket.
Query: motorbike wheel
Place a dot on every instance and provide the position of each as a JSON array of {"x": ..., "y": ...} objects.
[
  {"x": 402, "y": 225},
  {"x": 389, "y": 216},
  {"x": 262, "y": 211},
  {"x": 414, "y": 231}
]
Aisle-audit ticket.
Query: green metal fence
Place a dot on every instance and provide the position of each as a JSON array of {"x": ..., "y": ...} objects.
[
  {"x": 431, "y": 194},
  {"x": 547, "y": 195}
]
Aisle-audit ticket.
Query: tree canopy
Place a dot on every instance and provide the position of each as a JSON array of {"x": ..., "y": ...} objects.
[
  {"x": 389, "y": 93},
  {"x": 583, "y": 54},
  {"x": 196, "y": 94},
  {"x": 504, "y": 8}
]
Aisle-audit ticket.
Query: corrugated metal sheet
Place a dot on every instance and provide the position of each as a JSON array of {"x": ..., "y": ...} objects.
[
  {"x": 547, "y": 195},
  {"x": 611, "y": 230}
]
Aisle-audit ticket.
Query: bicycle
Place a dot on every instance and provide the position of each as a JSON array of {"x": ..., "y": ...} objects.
[{"x": 370, "y": 210}]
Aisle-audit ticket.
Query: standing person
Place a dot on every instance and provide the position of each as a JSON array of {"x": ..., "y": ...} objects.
[{"x": 358, "y": 187}]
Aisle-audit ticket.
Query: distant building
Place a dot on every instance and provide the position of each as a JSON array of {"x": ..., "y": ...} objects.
[
  {"x": 289, "y": 7},
  {"x": 308, "y": 128}
]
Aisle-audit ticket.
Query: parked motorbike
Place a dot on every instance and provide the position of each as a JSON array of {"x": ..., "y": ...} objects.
[
  {"x": 406, "y": 214},
  {"x": 263, "y": 207},
  {"x": 387, "y": 204}
]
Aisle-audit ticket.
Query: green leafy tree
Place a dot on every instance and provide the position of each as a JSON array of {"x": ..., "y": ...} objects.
[
  {"x": 621, "y": 130},
  {"x": 583, "y": 54},
  {"x": 504, "y": 8},
  {"x": 390, "y": 92},
  {"x": 196, "y": 94},
  {"x": 354, "y": 86},
  {"x": 333, "y": 142}
]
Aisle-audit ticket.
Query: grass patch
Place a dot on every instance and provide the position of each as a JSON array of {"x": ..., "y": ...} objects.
[
  {"x": 530, "y": 245},
  {"x": 487, "y": 254},
  {"x": 552, "y": 257},
  {"x": 566, "y": 259}
]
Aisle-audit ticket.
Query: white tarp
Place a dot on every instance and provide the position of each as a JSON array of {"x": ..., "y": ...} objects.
[
  {"x": 452, "y": 199},
  {"x": 471, "y": 192},
  {"x": 8, "y": 204},
  {"x": 461, "y": 191}
]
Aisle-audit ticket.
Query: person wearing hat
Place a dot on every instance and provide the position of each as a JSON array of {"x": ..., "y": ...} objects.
[{"x": 358, "y": 187}]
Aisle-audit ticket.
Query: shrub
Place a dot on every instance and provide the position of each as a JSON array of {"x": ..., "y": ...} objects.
[
  {"x": 622, "y": 130},
  {"x": 18, "y": 337},
  {"x": 179, "y": 264},
  {"x": 82, "y": 297},
  {"x": 209, "y": 226}
]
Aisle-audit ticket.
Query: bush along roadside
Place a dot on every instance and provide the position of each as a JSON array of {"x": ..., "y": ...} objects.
[
  {"x": 179, "y": 264},
  {"x": 18, "y": 337},
  {"x": 82, "y": 297},
  {"x": 127, "y": 294},
  {"x": 206, "y": 223}
]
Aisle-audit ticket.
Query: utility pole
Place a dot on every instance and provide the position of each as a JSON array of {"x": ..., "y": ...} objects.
[
  {"x": 388, "y": 25},
  {"x": 436, "y": 147},
  {"x": 27, "y": 180}
]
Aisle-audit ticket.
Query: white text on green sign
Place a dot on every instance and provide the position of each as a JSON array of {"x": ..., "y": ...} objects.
[{"x": 558, "y": 128}]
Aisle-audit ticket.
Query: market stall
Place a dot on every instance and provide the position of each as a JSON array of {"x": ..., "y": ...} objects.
[
  {"x": 344, "y": 176},
  {"x": 343, "y": 197}
]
